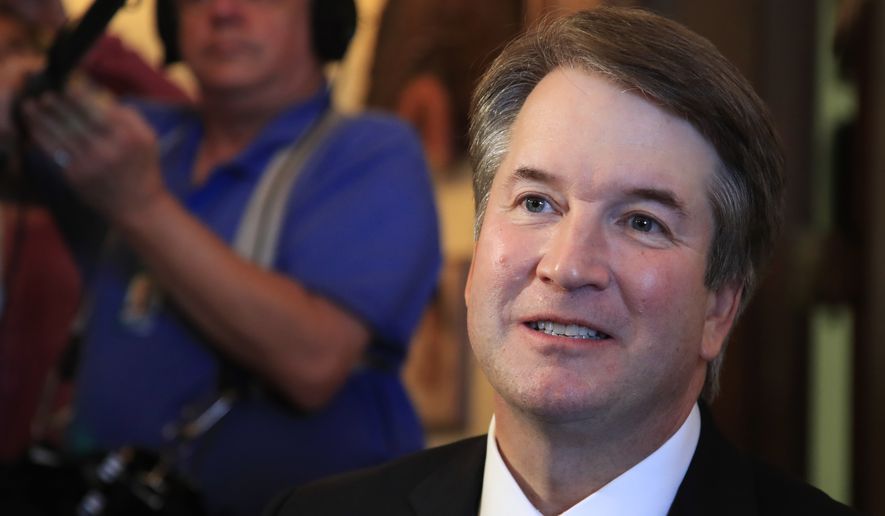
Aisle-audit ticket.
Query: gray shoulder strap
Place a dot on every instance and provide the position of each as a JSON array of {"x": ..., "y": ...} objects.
[{"x": 258, "y": 234}]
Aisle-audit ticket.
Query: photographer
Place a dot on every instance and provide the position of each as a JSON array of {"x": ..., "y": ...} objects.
[{"x": 313, "y": 345}]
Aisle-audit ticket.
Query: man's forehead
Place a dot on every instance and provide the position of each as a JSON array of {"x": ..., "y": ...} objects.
[
  {"x": 600, "y": 89},
  {"x": 573, "y": 113},
  {"x": 581, "y": 132}
]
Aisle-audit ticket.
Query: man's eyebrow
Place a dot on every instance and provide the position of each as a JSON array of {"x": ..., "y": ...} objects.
[
  {"x": 662, "y": 196},
  {"x": 658, "y": 195},
  {"x": 531, "y": 174}
]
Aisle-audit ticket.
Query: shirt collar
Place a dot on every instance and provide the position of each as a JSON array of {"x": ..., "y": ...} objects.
[
  {"x": 179, "y": 144},
  {"x": 285, "y": 128},
  {"x": 648, "y": 488}
]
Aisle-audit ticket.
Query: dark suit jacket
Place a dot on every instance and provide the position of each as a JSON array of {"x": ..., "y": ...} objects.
[{"x": 448, "y": 480}]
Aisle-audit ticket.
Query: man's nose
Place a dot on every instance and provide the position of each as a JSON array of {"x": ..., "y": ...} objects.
[{"x": 576, "y": 256}]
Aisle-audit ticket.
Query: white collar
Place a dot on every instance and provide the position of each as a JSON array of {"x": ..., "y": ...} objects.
[{"x": 648, "y": 488}]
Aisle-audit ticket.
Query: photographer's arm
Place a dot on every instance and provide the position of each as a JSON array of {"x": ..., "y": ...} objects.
[
  {"x": 304, "y": 344},
  {"x": 301, "y": 343}
]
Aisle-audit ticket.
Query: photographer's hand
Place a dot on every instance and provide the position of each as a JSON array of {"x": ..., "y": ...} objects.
[{"x": 107, "y": 152}]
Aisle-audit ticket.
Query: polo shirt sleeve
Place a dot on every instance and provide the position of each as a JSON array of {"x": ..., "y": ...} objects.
[{"x": 361, "y": 226}]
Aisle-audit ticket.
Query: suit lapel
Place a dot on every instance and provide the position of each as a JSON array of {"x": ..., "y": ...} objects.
[
  {"x": 454, "y": 487},
  {"x": 719, "y": 479}
]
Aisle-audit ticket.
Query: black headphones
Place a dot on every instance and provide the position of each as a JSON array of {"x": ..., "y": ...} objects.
[{"x": 333, "y": 23}]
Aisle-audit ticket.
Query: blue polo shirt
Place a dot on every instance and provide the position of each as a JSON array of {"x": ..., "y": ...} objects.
[{"x": 360, "y": 229}]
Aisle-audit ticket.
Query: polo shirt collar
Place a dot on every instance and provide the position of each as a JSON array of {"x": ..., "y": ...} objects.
[
  {"x": 292, "y": 122},
  {"x": 282, "y": 130}
]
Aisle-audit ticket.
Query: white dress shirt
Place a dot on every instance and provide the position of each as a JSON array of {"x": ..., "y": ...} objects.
[{"x": 648, "y": 488}]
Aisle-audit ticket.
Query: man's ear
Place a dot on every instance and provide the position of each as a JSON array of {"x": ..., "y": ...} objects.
[{"x": 722, "y": 309}]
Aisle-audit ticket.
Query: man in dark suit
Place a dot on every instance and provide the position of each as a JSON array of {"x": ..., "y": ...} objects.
[{"x": 628, "y": 190}]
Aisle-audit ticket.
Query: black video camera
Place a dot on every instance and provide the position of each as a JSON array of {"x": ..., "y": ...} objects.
[{"x": 125, "y": 482}]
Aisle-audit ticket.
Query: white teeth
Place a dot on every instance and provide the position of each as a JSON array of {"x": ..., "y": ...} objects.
[{"x": 567, "y": 330}]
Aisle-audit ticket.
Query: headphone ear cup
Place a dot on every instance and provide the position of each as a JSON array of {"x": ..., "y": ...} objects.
[
  {"x": 333, "y": 23},
  {"x": 167, "y": 29}
]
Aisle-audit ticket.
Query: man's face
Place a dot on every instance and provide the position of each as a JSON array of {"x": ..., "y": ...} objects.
[
  {"x": 235, "y": 44},
  {"x": 586, "y": 295}
]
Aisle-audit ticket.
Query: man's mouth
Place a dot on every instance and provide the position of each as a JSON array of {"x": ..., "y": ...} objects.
[{"x": 574, "y": 331}]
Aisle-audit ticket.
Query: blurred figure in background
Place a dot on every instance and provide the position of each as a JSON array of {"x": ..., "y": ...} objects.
[
  {"x": 428, "y": 57},
  {"x": 310, "y": 340},
  {"x": 40, "y": 286},
  {"x": 39, "y": 291}
]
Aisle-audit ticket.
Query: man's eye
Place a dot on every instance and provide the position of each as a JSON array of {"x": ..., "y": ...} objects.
[
  {"x": 535, "y": 204},
  {"x": 644, "y": 224}
]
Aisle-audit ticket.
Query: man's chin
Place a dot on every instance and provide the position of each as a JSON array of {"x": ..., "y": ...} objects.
[
  {"x": 561, "y": 404},
  {"x": 232, "y": 77}
]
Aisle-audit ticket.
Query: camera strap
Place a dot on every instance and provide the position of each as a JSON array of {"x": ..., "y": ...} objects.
[
  {"x": 256, "y": 240},
  {"x": 258, "y": 234}
]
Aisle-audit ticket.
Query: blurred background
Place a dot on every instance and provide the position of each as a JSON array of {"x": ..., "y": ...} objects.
[{"x": 804, "y": 382}]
